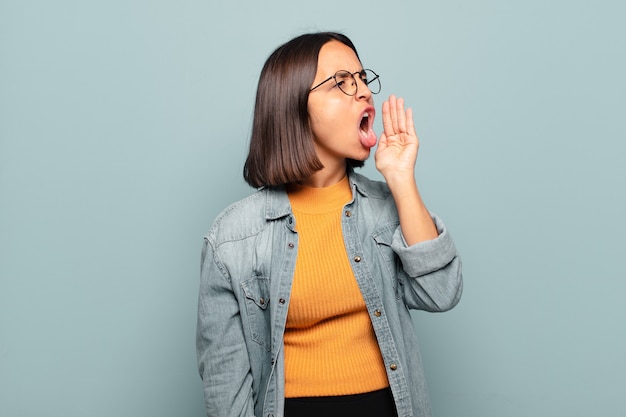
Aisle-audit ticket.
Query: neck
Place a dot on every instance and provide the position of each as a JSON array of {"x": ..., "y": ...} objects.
[{"x": 327, "y": 176}]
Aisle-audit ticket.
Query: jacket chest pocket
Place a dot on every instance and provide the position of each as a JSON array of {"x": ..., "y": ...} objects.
[
  {"x": 390, "y": 267},
  {"x": 257, "y": 293}
]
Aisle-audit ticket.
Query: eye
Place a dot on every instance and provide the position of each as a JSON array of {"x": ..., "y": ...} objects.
[{"x": 343, "y": 78}]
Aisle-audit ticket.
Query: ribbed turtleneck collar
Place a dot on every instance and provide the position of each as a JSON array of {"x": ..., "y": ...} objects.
[{"x": 320, "y": 200}]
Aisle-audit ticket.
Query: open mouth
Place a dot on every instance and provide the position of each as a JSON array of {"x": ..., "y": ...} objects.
[
  {"x": 367, "y": 120},
  {"x": 366, "y": 133}
]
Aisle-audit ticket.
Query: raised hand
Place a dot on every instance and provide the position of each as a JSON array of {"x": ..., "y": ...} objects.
[
  {"x": 398, "y": 144},
  {"x": 395, "y": 159}
]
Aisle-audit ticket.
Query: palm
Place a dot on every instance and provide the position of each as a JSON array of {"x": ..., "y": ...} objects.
[{"x": 398, "y": 144}]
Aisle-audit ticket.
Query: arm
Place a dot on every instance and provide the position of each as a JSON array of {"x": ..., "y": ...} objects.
[
  {"x": 223, "y": 359},
  {"x": 395, "y": 159},
  {"x": 434, "y": 270},
  {"x": 424, "y": 246}
]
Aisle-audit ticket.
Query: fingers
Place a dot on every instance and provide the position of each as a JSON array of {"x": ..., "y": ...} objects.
[
  {"x": 393, "y": 108},
  {"x": 410, "y": 124},
  {"x": 388, "y": 128},
  {"x": 395, "y": 119}
]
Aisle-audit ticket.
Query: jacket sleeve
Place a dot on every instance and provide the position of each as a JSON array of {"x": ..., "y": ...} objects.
[
  {"x": 435, "y": 280},
  {"x": 223, "y": 360}
]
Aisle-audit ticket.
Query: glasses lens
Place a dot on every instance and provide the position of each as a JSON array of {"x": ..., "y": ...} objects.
[
  {"x": 346, "y": 82},
  {"x": 372, "y": 80}
]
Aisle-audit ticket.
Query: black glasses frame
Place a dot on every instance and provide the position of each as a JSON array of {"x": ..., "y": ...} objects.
[{"x": 362, "y": 72}]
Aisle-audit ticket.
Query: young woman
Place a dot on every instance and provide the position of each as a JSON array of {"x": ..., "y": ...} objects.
[{"x": 306, "y": 285}]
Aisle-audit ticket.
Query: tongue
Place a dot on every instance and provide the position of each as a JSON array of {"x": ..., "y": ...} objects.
[{"x": 368, "y": 139}]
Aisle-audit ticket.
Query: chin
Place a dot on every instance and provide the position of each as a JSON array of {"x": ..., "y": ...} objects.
[{"x": 361, "y": 157}]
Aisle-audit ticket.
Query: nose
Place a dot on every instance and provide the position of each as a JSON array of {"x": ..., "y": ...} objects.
[{"x": 362, "y": 91}]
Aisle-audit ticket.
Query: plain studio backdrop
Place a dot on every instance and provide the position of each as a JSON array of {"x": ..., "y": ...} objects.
[{"x": 123, "y": 130}]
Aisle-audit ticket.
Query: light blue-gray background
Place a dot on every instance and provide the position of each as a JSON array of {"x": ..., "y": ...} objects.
[{"x": 124, "y": 126}]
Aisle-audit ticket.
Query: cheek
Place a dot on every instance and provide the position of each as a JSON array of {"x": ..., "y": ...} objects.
[
  {"x": 325, "y": 125},
  {"x": 324, "y": 116},
  {"x": 319, "y": 120}
]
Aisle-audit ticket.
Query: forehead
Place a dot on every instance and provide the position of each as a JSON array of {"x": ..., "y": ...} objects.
[{"x": 335, "y": 56}]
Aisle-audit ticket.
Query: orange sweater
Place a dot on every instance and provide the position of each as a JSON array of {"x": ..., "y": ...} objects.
[{"x": 330, "y": 345}]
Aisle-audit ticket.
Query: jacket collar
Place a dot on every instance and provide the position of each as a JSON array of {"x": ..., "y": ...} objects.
[
  {"x": 360, "y": 183},
  {"x": 277, "y": 202}
]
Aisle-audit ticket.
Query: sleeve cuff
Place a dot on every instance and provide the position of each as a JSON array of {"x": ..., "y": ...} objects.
[{"x": 428, "y": 256}]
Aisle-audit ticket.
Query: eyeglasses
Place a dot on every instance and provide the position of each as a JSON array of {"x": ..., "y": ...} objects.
[{"x": 347, "y": 83}]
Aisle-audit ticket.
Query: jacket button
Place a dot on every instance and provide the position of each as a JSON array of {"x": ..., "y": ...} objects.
[
  {"x": 393, "y": 366},
  {"x": 281, "y": 300},
  {"x": 377, "y": 313},
  {"x": 348, "y": 213},
  {"x": 291, "y": 245},
  {"x": 357, "y": 259},
  {"x": 262, "y": 301}
]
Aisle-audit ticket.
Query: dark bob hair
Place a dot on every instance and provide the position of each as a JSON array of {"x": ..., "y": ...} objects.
[{"x": 281, "y": 144}]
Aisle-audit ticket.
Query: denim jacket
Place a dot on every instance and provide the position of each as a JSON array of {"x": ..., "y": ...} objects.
[{"x": 248, "y": 262}]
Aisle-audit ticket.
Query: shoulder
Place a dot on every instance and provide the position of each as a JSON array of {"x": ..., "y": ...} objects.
[
  {"x": 241, "y": 219},
  {"x": 370, "y": 188},
  {"x": 374, "y": 202}
]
